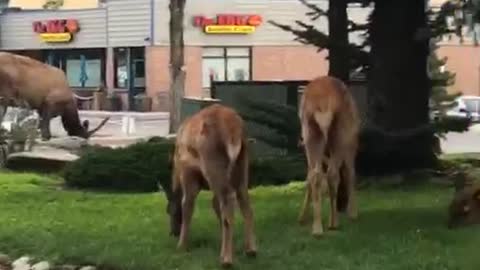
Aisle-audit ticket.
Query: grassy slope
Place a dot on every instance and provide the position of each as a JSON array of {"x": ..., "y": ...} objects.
[{"x": 397, "y": 229}]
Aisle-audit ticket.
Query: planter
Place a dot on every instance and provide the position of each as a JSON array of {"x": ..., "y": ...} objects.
[
  {"x": 142, "y": 103},
  {"x": 17, "y": 147},
  {"x": 113, "y": 103},
  {"x": 99, "y": 100}
]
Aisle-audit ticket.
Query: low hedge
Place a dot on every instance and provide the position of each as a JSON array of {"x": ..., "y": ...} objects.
[
  {"x": 140, "y": 166},
  {"x": 137, "y": 167}
]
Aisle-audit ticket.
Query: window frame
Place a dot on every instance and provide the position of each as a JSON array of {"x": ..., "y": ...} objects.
[
  {"x": 226, "y": 57},
  {"x": 133, "y": 55}
]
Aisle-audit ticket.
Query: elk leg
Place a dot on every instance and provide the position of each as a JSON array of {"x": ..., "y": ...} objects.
[
  {"x": 352, "y": 208},
  {"x": 333, "y": 181},
  {"x": 216, "y": 209},
  {"x": 247, "y": 212},
  {"x": 188, "y": 203},
  {"x": 45, "y": 117},
  {"x": 316, "y": 182},
  {"x": 302, "y": 218},
  {"x": 227, "y": 202}
]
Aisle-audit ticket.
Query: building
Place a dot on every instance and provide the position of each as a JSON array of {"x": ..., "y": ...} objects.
[
  {"x": 124, "y": 44},
  {"x": 463, "y": 56},
  {"x": 94, "y": 43}
]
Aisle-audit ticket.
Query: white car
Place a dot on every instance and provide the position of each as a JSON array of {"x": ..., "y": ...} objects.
[{"x": 466, "y": 106}]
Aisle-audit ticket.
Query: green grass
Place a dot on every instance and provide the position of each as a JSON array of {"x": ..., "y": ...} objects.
[{"x": 401, "y": 228}]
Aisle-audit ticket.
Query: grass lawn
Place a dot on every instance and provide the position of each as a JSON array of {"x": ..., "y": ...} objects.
[{"x": 402, "y": 228}]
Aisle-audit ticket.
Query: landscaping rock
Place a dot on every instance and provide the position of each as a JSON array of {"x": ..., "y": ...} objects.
[
  {"x": 22, "y": 263},
  {"x": 66, "y": 267},
  {"x": 41, "y": 159},
  {"x": 41, "y": 266},
  {"x": 88, "y": 268},
  {"x": 70, "y": 143}
]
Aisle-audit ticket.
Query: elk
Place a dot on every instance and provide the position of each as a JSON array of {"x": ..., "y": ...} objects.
[
  {"x": 464, "y": 209},
  {"x": 45, "y": 89},
  {"x": 211, "y": 153},
  {"x": 330, "y": 127}
]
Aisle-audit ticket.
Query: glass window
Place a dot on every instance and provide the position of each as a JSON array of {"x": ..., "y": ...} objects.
[
  {"x": 121, "y": 71},
  {"x": 139, "y": 73},
  {"x": 213, "y": 52},
  {"x": 231, "y": 64},
  {"x": 238, "y": 52},
  {"x": 238, "y": 69},
  {"x": 136, "y": 58},
  {"x": 213, "y": 68},
  {"x": 472, "y": 105},
  {"x": 89, "y": 77}
]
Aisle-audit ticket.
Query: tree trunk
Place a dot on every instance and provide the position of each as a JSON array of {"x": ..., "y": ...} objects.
[
  {"x": 399, "y": 87},
  {"x": 338, "y": 33},
  {"x": 177, "y": 69}
]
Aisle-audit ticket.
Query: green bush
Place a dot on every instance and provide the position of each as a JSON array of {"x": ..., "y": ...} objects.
[
  {"x": 137, "y": 167},
  {"x": 276, "y": 170}
]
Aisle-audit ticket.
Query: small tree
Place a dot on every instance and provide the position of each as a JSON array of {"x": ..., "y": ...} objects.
[{"x": 177, "y": 68}]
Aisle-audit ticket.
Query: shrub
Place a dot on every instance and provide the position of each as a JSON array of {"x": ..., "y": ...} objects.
[
  {"x": 276, "y": 170},
  {"x": 137, "y": 167}
]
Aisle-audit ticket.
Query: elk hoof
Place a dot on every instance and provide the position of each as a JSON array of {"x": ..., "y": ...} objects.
[
  {"x": 333, "y": 228},
  {"x": 317, "y": 233},
  {"x": 227, "y": 264},
  {"x": 251, "y": 253},
  {"x": 302, "y": 221}
]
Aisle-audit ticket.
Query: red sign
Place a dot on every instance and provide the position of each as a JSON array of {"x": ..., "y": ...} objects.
[
  {"x": 56, "y": 26},
  {"x": 228, "y": 19}
]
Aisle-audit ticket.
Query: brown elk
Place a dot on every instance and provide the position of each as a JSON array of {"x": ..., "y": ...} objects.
[
  {"x": 330, "y": 128},
  {"x": 464, "y": 208},
  {"x": 211, "y": 153},
  {"x": 45, "y": 89}
]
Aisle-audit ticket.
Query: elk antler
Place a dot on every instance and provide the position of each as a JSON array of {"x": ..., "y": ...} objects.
[{"x": 91, "y": 132}]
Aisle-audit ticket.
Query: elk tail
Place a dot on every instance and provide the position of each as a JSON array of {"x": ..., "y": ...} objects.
[{"x": 233, "y": 152}]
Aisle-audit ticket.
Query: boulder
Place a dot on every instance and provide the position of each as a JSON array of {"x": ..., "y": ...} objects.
[
  {"x": 41, "y": 266},
  {"x": 22, "y": 263},
  {"x": 41, "y": 159}
]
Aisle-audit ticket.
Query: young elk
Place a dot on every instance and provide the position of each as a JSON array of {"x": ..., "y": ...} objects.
[
  {"x": 464, "y": 209},
  {"x": 330, "y": 126},
  {"x": 211, "y": 152}
]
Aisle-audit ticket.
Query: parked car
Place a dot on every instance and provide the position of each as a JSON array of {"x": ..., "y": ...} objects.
[{"x": 466, "y": 106}]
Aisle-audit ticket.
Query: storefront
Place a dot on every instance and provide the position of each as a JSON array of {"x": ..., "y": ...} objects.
[
  {"x": 102, "y": 46},
  {"x": 233, "y": 40},
  {"x": 124, "y": 44}
]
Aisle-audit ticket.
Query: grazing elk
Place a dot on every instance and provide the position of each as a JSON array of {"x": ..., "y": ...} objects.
[
  {"x": 211, "y": 153},
  {"x": 45, "y": 89},
  {"x": 464, "y": 208},
  {"x": 330, "y": 128}
]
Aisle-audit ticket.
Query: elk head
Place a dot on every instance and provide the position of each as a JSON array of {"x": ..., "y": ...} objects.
[
  {"x": 73, "y": 126},
  {"x": 464, "y": 209}
]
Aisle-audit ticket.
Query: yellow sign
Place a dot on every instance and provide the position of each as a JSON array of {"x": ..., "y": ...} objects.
[
  {"x": 56, "y": 37},
  {"x": 229, "y": 29}
]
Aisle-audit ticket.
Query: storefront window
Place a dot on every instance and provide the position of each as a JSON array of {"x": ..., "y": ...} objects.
[
  {"x": 84, "y": 68},
  {"x": 230, "y": 64},
  {"x": 121, "y": 60},
  {"x": 84, "y": 73},
  {"x": 121, "y": 72}
]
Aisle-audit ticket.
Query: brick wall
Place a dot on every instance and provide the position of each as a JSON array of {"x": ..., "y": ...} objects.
[{"x": 464, "y": 61}]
